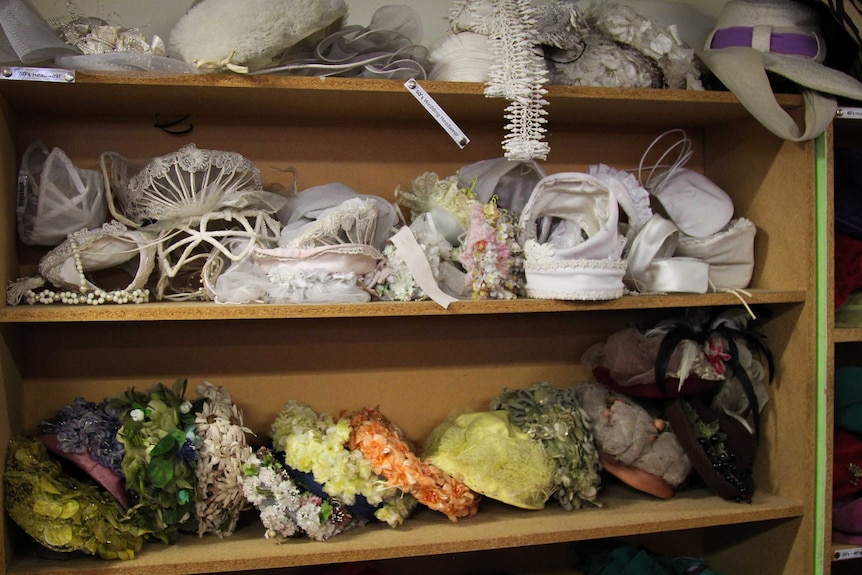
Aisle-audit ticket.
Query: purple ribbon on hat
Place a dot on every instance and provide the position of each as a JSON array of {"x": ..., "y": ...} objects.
[{"x": 789, "y": 43}]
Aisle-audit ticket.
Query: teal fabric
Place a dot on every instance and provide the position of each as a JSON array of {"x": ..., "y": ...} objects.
[
  {"x": 624, "y": 559},
  {"x": 848, "y": 398}
]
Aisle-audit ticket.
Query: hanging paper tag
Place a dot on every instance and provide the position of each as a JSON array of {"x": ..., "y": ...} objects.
[
  {"x": 437, "y": 112},
  {"x": 37, "y": 74}
]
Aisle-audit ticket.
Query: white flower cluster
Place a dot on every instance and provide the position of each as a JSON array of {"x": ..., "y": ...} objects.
[
  {"x": 661, "y": 44},
  {"x": 223, "y": 449},
  {"x": 611, "y": 45},
  {"x": 285, "y": 509}
]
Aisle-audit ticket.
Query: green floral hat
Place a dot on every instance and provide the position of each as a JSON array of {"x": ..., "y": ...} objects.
[
  {"x": 63, "y": 513},
  {"x": 161, "y": 452}
]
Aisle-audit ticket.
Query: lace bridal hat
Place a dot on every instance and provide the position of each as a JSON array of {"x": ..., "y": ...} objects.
[{"x": 753, "y": 37}]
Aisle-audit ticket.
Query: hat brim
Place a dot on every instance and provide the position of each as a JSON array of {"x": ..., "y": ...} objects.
[
  {"x": 743, "y": 72},
  {"x": 807, "y": 73},
  {"x": 101, "y": 474},
  {"x": 737, "y": 441},
  {"x": 846, "y": 538},
  {"x": 637, "y": 478}
]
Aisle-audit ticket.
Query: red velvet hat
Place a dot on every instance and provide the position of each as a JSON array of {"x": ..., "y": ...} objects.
[{"x": 846, "y": 464}]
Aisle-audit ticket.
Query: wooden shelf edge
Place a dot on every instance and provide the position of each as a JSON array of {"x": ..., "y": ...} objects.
[
  {"x": 169, "y": 311},
  {"x": 210, "y": 81},
  {"x": 296, "y": 99},
  {"x": 847, "y": 334},
  {"x": 429, "y": 533}
]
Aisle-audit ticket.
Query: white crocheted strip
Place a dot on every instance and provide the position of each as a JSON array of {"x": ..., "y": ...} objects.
[
  {"x": 573, "y": 265},
  {"x": 519, "y": 74}
]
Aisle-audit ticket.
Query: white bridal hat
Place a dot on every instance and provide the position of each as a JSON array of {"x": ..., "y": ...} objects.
[
  {"x": 246, "y": 36},
  {"x": 753, "y": 37}
]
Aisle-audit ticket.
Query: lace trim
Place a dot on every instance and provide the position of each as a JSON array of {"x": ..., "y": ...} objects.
[
  {"x": 341, "y": 249},
  {"x": 545, "y": 265},
  {"x": 471, "y": 16},
  {"x": 295, "y": 279},
  {"x": 352, "y": 222},
  {"x": 639, "y": 196},
  {"x": 519, "y": 75},
  {"x": 586, "y": 295}
]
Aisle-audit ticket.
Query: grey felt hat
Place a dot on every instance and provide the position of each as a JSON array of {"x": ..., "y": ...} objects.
[{"x": 753, "y": 37}]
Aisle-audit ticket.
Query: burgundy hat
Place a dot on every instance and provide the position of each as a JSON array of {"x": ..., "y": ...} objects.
[
  {"x": 847, "y": 520},
  {"x": 846, "y": 464}
]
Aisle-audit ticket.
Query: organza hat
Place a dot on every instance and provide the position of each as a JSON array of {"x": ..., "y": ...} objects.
[{"x": 753, "y": 37}]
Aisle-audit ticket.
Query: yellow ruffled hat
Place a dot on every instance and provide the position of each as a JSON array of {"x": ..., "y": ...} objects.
[{"x": 493, "y": 457}]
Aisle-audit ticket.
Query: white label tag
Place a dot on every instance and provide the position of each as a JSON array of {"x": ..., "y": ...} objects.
[
  {"x": 854, "y": 553},
  {"x": 37, "y": 74},
  {"x": 854, "y": 113},
  {"x": 437, "y": 112},
  {"x": 23, "y": 192}
]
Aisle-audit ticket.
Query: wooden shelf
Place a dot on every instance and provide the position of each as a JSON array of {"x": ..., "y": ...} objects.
[
  {"x": 362, "y": 100},
  {"x": 847, "y": 334},
  {"x": 159, "y": 311},
  {"x": 496, "y": 526},
  {"x": 417, "y": 360}
]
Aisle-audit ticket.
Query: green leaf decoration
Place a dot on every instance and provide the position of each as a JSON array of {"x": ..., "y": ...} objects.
[
  {"x": 160, "y": 472},
  {"x": 47, "y": 508},
  {"x": 168, "y": 444}
]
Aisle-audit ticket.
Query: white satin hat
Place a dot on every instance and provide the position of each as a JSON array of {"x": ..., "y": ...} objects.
[
  {"x": 571, "y": 240},
  {"x": 693, "y": 202},
  {"x": 729, "y": 253}
]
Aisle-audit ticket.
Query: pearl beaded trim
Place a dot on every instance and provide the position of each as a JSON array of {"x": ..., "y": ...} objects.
[
  {"x": 95, "y": 297},
  {"x": 85, "y": 295}
]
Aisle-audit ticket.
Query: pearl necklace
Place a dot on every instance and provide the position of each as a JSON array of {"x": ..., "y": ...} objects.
[{"x": 95, "y": 297}]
